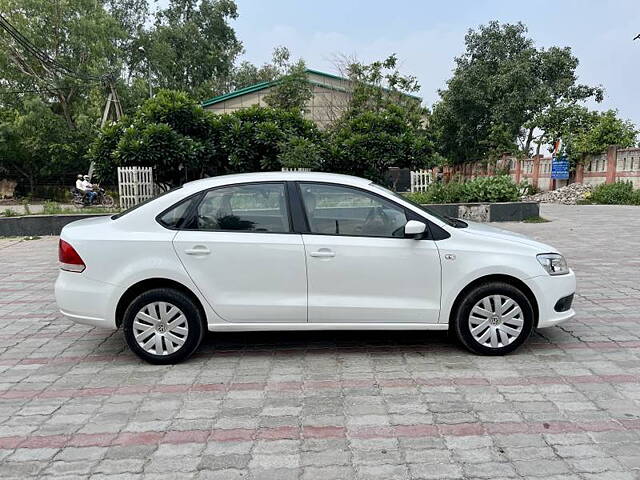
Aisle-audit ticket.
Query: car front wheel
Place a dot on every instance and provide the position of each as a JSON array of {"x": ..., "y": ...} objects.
[
  {"x": 163, "y": 326},
  {"x": 494, "y": 319}
]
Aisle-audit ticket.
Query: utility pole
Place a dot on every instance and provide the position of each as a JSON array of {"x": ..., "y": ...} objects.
[
  {"x": 148, "y": 70},
  {"x": 112, "y": 100}
]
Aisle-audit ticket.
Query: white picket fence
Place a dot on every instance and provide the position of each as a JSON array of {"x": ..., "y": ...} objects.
[
  {"x": 285, "y": 169},
  {"x": 420, "y": 180},
  {"x": 135, "y": 185}
]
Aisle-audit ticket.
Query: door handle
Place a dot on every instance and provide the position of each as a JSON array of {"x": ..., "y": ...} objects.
[
  {"x": 198, "y": 250},
  {"x": 323, "y": 253}
]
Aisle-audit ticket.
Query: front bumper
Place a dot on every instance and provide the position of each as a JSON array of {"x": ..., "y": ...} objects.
[
  {"x": 548, "y": 290},
  {"x": 87, "y": 301}
]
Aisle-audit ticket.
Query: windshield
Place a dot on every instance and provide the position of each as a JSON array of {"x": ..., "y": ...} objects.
[{"x": 453, "y": 222}]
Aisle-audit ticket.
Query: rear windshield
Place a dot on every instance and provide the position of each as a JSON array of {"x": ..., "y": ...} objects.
[{"x": 129, "y": 210}]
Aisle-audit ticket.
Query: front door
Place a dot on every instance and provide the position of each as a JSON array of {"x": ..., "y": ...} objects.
[
  {"x": 242, "y": 256},
  {"x": 360, "y": 266}
]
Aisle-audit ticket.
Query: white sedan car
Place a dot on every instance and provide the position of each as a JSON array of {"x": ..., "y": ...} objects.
[{"x": 303, "y": 251}]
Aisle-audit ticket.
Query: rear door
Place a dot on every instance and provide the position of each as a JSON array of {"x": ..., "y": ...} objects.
[
  {"x": 241, "y": 253},
  {"x": 360, "y": 266}
]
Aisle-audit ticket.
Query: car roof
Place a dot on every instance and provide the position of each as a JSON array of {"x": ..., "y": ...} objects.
[{"x": 275, "y": 176}]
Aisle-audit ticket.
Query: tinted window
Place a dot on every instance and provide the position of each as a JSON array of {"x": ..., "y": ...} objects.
[
  {"x": 177, "y": 215},
  {"x": 338, "y": 210},
  {"x": 251, "y": 208}
]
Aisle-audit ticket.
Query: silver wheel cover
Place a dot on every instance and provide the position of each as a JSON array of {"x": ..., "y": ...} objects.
[
  {"x": 496, "y": 321},
  {"x": 160, "y": 328}
]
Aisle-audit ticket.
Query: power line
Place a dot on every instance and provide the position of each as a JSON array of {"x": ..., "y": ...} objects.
[{"x": 40, "y": 54}]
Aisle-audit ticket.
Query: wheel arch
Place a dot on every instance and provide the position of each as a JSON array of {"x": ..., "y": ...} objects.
[
  {"x": 516, "y": 282},
  {"x": 144, "y": 285}
]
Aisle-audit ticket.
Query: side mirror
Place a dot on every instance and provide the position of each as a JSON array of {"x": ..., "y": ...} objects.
[{"x": 413, "y": 228}]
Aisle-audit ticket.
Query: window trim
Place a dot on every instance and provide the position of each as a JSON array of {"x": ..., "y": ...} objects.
[
  {"x": 409, "y": 214},
  {"x": 189, "y": 213},
  {"x": 203, "y": 194}
]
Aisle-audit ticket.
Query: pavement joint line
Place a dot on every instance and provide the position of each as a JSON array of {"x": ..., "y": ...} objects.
[
  {"x": 296, "y": 432},
  {"x": 317, "y": 385}
]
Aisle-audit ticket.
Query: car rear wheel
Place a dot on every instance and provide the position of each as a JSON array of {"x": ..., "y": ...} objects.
[
  {"x": 163, "y": 326},
  {"x": 494, "y": 319}
]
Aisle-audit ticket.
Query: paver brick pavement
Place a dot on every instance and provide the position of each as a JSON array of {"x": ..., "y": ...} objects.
[{"x": 75, "y": 403}]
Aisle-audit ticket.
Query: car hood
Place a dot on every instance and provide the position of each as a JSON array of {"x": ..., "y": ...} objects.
[{"x": 484, "y": 230}]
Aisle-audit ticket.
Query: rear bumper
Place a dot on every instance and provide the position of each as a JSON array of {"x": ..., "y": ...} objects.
[
  {"x": 549, "y": 290},
  {"x": 87, "y": 301}
]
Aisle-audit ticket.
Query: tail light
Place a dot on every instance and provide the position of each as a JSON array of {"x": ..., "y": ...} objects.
[{"x": 69, "y": 258}]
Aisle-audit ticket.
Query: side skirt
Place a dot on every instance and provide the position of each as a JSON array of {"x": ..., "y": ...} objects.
[{"x": 266, "y": 326}]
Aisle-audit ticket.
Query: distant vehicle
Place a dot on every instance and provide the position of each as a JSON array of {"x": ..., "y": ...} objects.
[
  {"x": 303, "y": 251},
  {"x": 102, "y": 199}
]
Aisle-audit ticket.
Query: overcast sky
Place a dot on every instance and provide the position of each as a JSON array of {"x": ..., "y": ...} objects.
[{"x": 427, "y": 35}]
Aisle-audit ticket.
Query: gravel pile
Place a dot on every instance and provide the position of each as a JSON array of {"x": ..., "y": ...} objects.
[{"x": 569, "y": 195}]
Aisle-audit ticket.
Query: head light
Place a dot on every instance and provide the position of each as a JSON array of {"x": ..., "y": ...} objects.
[{"x": 553, "y": 263}]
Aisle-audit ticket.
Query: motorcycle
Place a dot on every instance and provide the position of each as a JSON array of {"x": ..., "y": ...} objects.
[{"x": 80, "y": 199}]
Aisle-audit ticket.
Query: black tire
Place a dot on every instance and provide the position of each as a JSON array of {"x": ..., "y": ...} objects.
[
  {"x": 107, "y": 201},
  {"x": 462, "y": 328},
  {"x": 194, "y": 319}
]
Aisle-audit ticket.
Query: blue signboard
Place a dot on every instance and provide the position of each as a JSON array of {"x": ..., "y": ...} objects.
[{"x": 560, "y": 168}]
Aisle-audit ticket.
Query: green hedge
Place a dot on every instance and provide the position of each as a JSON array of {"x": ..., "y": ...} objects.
[
  {"x": 483, "y": 189},
  {"x": 619, "y": 193}
]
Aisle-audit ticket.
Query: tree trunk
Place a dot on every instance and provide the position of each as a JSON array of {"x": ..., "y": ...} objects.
[
  {"x": 65, "y": 111},
  {"x": 527, "y": 145}
]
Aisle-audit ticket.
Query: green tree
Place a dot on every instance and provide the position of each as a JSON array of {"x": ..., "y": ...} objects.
[
  {"x": 34, "y": 142},
  {"x": 503, "y": 88},
  {"x": 301, "y": 152},
  {"x": 384, "y": 125},
  {"x": 170, "y": 132},
  {"x": 601, "y": 130},
  {"x": 191, "y": 47},
  {"x": 293, "y": 90},
  {"x": 253, "y": 138},
  {"x": 247, "y": 73},
  {"x": 77, "y": 44},
  {"x": 173, "y": 134}
]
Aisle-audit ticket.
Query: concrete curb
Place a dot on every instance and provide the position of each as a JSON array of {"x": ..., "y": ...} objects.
[
  {"x": 40, "y": 224},
  {"x": 489, "y": 212}
]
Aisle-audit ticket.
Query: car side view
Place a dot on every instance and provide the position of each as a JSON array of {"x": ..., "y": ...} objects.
[{"x": 303, "y": 251}]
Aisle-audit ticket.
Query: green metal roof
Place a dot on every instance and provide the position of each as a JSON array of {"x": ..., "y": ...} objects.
[{"x": 262, "y": 85}]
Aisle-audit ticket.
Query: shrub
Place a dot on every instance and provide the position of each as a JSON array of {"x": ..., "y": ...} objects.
[
  {"x": 482, "y": 189},
  {"x": 490, "y": 189},
  {"x": 619, "y": 193}
]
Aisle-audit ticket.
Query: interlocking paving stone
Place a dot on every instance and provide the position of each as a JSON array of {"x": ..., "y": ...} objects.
[{"x": 75, "y": 403}]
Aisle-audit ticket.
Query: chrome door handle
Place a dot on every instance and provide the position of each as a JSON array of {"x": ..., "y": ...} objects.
[
  {"x": 198, "y": 250},
  {"x": 323, "y": 253}
]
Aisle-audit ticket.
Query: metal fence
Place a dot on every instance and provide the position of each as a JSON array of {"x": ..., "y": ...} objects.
[{"x": 135, "y": 185}]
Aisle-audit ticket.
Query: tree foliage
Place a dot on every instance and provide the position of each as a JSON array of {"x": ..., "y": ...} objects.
[
  {"x": 191, "y": 46},
  {"x": 503, "y": 88},
  {"x": 598, "y": 132},
  {"x": 173, "y": 134},
  {"x": 35, "y": 143},
  {"x": 383, "y": 126},
  {"x": 293, "y": 89}
]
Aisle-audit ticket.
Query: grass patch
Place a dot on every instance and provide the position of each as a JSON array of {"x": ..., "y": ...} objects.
[{"x": 536, "y": 220}]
